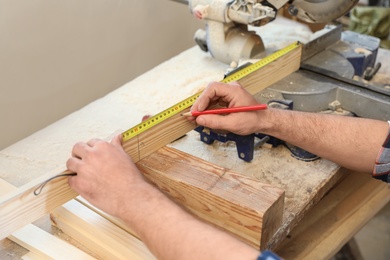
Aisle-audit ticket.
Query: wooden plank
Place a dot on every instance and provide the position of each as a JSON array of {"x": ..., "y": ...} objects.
[
  {"x": 23, "y": 207},
  {"x": 6, "y": 187},
  {"x": 234, "y": 202},
  {"x": 46, "y": 245},
  {"x": 40, "y": 243},
  {"x": 7, "y": 246},
  {"x": 297, "y": 208},
  {"x": 96, "y": 233},
  {"x": 226, "y": 199},
  {"x": 117, "y": 221},
  {"x": 176, "y": 126},
  {"x": 272, "y": 73},
  {"x": 336, "y": 218},
  {"x": 32, "y": 256}
]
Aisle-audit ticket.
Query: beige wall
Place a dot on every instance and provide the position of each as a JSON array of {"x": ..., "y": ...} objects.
[{"x": 57, "y": 56}]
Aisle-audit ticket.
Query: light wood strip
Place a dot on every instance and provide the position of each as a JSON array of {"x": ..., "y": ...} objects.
[
  {"x": 336, "y": 218},
  {"x": 176, "y": 126},
  {"x": 32, "y": 256},
  {"x": 96, "y": 233},
  {"x": 273, "y": 72},
  {"x": 21, "y": 207},
  {"x": 44, "y": 244},
  {"x": 40, "y": 243}
]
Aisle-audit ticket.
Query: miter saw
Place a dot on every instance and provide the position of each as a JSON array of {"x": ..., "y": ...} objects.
[
  {"x": 330, "y": 80},
  {"x": 334, "y": 66},
  {"x": 227, "y": 37}
]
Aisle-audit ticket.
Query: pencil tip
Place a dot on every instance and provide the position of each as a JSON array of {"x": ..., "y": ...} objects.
[{"x": 186, "y": 114}]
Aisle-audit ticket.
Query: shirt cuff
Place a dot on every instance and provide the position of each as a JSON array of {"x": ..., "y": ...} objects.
[
  {"x": 268, "y": 255},
  {"x": 382, "y": 163}
]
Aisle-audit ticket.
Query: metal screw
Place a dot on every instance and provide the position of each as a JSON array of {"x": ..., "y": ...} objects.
[{"x": 292, "y": 10}]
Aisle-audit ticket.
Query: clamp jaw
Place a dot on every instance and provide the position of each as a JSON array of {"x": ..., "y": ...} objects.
[{"x": 247, "y": 144}]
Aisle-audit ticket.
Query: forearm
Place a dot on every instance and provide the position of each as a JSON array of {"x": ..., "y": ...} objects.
[
  {"x": 349, "y": 141},
  {"x": 172, "y": 233},
  {"x": 108, "y": 178}
]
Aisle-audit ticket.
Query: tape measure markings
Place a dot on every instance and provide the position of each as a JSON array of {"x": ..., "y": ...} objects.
[{"x": 186, "y": 103}]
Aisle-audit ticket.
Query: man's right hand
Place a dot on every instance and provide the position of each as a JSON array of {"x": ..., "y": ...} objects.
[{"x": 229, "y": 95}]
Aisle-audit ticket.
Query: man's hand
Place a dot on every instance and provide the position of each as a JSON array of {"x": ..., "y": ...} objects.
[
  {"x": 106, "y": 175},
  {"x": 108, "y": 178},
  {"x": 228, "y": 95}
]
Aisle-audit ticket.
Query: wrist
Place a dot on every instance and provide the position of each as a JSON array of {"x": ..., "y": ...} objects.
[
  {"x": 140, "y": 200},
  {"x": 268, "y": 121}
]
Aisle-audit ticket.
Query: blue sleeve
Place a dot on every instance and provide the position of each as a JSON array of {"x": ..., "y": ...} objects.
[
  {"x": 382, "y": 164},
  {"x": 268, "y": 255}
]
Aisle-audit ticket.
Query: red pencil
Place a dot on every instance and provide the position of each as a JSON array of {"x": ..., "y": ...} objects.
[{"x": 227, "y": 110}]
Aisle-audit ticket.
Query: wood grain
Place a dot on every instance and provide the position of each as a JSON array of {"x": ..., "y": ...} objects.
[
  {"x": 245, "y": 207},
  {"x": 96, "y": 233},
  {"x": 46, "y": 245},
  {"x": 39, "y": 242},
  {"x": 21, "y": 207},
  {"x": 273, "y": 72},
  {"x": 336, "y": 218},
  {"x": 177, "y": 126}
]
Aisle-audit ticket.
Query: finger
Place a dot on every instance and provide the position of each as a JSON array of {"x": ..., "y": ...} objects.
[
  {"x": 214, "y": 121},
  {"x": 213, "y": 92},
  {"x": 80, "y": 149},
  {"x": 222, "y": 103},
  {"x": 71, "y": 181},
  {"x": 72, "y": 164},
  {"x": 117, "y": 140},
  {"x": 191, "y": 118},
  {"x": 74, "y": 183},
  {"x": 92, "y": 142},
  {"x": 204, "y": 99}
]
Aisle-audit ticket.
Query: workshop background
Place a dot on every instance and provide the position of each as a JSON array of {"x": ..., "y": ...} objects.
[
  {"x": 55, "y": 51},
  {"x": 50, "y": 54}
]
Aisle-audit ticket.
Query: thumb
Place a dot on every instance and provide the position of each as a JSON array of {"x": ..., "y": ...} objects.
[
  {"x": 212, "y": 121},
  {"x": 117, "y": 140}
]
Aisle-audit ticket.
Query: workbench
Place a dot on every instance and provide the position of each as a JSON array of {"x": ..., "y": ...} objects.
[{"x": 325, "y": 205}]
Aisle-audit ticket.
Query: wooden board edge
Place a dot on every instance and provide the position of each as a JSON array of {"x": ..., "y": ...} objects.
[
  {"x": 231, "y": 201},
  {"x": 96, "y": 233},
  {"x": 46, "y": 245},
  {"x": 21, "y": 206},
  {"x": 328, "y": 226}
]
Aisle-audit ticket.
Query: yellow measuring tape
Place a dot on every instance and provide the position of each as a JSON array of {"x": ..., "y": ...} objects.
[{"x": 186, "y": 103}]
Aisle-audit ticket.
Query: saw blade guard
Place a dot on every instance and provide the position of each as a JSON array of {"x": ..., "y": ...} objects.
[{"x": 320, "y": 11}]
